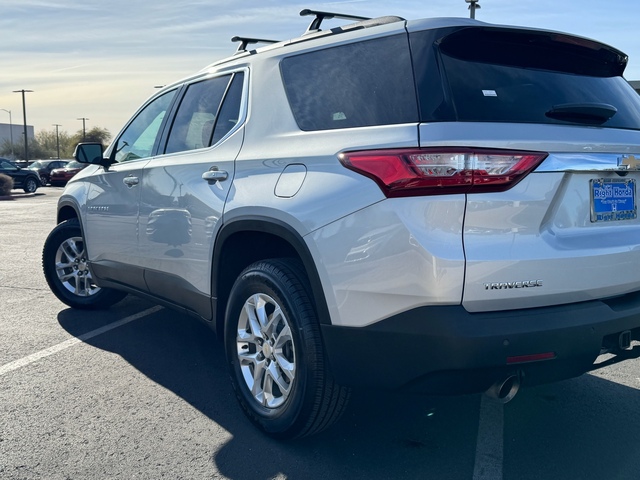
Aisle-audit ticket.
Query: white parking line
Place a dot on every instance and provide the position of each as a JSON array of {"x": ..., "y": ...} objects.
[
  {"x": 24, "y": 361},
  {"x": 490, "y": 442}
]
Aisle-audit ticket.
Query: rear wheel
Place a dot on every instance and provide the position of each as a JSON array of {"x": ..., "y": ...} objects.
[
  {"x": 66, "y": 268},
  {"x": 275, "y": 353}
]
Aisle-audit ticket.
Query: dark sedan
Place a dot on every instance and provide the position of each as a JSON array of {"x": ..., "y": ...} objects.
[
  {"x": 60, "y": 176},
  {"x": 44, "y": 167},
  {"x": 23, "y": 178}
]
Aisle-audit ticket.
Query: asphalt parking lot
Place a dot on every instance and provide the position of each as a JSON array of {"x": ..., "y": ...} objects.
[{"x": 139, "y": 391}]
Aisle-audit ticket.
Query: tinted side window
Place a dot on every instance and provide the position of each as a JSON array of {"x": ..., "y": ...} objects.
[
  {"x": 355, "y": 85},
  {"x": 196, "y": 117},
  {"x": 139, "y": 138}
]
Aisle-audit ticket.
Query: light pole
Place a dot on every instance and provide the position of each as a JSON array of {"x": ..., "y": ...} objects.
[
  {"x": 84, "y": 129},
  {"x": 473, "y": 4},
  {"x": 24, "y": 115},
  {"x": 10, "y": 128},
  {"x": 57, "y": 139}
]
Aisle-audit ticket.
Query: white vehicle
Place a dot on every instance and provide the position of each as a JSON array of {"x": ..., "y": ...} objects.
[{"x": 439, "y": 205}]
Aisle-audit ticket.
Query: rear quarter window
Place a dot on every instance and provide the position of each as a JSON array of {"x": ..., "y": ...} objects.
[{"x": 354, "y": 85}]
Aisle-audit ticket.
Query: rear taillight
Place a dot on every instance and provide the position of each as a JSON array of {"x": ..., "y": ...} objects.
[{"x": 437, "y": 171}]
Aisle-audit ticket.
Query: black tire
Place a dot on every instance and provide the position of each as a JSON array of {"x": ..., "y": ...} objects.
[
  {"x": 310, "y": 400},
  {"x": 66, "y": 269},
  {"x": 30, "y": 185}
]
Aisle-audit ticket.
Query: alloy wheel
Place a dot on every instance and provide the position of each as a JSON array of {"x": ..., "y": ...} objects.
[
  {"x": 72, "y": 268},
  {"x": 266, "y": 351}
]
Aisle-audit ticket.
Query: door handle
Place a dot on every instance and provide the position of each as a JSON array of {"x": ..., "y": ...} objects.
[
  {"x": 214, "y": 175},
  {"x": 131, "y": 181}
]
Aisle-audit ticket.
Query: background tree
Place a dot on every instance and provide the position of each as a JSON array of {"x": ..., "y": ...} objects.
[
  {"x": 5, "y": 150},
  {"x": 96, "y": 134},
  {"x": 44, "y": 145},
  {"x": 47, "y": 144}
]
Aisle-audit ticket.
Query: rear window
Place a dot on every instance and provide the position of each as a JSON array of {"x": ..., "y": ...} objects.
[
  {"x": 518, "y": 76},
  {"x": 355, "y": 85}
]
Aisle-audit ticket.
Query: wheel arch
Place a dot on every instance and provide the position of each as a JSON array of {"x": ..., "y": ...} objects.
[
  {"x": 67, "y": 212},
  {"x": 244, "y": 241}
]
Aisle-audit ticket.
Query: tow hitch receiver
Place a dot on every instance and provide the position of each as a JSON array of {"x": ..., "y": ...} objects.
[
  {"x": 624, "y": 340},
  {"x": 617, "y": 352}
]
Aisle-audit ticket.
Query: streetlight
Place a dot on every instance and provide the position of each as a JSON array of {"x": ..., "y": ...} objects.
[
  {"x": 84, "y": 129},
  {"x": 10, "y": 128},
  {"x": 24, "y": 115},
  {"x": 57, "y": 139},
  {"x": 473, "y": 4}
]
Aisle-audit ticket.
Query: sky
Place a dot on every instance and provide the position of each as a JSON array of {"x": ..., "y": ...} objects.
[{"x": 101, "y": 59}]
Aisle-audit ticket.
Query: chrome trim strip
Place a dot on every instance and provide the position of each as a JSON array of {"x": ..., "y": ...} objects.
[{"x": 589, "y": 162}]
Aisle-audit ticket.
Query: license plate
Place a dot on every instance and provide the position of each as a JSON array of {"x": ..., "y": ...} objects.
[{"x": 613, "y": 199}]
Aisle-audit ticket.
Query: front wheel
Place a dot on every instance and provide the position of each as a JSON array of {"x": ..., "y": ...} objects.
[
  {"x": 66, "y": 268},
  {"x": 30, "y": 185},
  {"x": 275, "y": 354}
]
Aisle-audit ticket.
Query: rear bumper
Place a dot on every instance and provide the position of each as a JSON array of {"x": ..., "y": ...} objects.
[{"x": 447, "y": 350}]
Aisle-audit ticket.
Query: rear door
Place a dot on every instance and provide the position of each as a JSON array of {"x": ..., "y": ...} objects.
[
  {"x": 184, "y": 191},
  {"x": 567, "y": 231}
]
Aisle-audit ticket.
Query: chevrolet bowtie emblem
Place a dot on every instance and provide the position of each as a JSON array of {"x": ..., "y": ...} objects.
[{"x": 629, "y": 161}]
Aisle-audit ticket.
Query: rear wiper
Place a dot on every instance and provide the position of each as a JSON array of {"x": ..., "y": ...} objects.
[{"x": 589, "y": 113}]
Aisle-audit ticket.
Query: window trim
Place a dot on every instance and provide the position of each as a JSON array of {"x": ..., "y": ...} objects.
[
  {"x": 172, "y": 112},
  {"x": 154, "y": 150}
]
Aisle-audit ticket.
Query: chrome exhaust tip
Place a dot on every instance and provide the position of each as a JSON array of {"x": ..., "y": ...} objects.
[{"x": 504, "y": 390}]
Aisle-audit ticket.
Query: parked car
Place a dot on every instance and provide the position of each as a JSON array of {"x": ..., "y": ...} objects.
[
  {"x": 44, "y": 167},
  {"x": 60, "y": 176},
  {"x": 22, "y": 177},
  {"x": 438, "y": 205}
]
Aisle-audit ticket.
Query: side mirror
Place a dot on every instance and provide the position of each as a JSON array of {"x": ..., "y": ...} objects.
[{"x": 89, "y": 153}]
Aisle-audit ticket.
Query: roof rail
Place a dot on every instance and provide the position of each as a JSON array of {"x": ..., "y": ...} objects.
[
  {"x": 320, "y": 16},
  {"x": 244, "y": 41}
]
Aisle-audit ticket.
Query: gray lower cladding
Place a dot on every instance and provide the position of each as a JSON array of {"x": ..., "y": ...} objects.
[
  {"x": 447, "y": 350},
  {"x": 167, "y": 289}
]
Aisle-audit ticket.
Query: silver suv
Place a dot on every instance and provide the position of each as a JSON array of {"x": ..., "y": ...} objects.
[{"x": 439, "y": 205}]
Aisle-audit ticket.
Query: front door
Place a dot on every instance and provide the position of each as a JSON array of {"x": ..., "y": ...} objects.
[{"x": 111, "y": 226}]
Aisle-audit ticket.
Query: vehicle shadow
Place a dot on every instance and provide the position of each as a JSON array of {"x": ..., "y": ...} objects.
[
  {"x": 382, "y": 435},
  {"x": 583, "y": 428},
  {"x": 21, "y": 195}
]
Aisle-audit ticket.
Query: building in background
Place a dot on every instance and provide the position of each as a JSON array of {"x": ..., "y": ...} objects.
[
  {"x": 635, "y": 84},
  {"x": 16, "y": 131}
]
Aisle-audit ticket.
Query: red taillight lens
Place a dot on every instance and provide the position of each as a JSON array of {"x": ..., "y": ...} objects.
[{"x": 428, "y": 171}]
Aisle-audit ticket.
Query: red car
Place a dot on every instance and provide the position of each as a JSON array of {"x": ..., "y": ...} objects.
[{"x": 60, "y": 176}]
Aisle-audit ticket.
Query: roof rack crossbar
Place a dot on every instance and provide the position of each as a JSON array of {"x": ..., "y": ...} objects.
[
  {"x": 320, "y": 16},
  {"x": 245, "y": 41}
]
